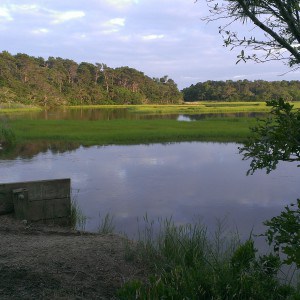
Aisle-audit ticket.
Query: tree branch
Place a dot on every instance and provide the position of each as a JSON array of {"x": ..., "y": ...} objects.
[{"x": 272, "y": 33}]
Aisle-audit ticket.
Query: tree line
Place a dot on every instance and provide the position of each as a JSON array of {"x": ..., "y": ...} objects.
[
  {"x": 243, "y": 90},
  {"x": 56, "y": 81}
]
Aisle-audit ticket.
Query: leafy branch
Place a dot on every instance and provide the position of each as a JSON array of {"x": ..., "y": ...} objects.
[{"x": 276, "y": 138}]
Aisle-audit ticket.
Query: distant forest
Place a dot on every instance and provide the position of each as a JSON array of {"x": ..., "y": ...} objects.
[
  {"x": 242, "y": 90},
  {"x": 57, "y": 81}
]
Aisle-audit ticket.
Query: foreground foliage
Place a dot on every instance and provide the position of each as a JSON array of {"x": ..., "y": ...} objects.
[
  {"x": 284, "y": 233},
  {"x": 274, "y": 139},
  {"x": 278, "y": 20},
  {"x": 186, "y": 264}
]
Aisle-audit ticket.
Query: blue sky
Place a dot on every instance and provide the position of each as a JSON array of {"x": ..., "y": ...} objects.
[{"x": 157, "y": 37}]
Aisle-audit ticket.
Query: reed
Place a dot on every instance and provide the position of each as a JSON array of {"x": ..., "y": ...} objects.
[
  {"x": 106, "y": 226},
  {"x": 77, "y": 218},
  {"x": 186, "y": 263}
]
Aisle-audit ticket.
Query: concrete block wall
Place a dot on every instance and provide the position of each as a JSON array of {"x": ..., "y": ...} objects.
[{"x": 37, "y": 200}]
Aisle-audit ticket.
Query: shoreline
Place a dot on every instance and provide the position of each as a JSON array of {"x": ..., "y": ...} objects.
[{"x": 46, "y": 262}]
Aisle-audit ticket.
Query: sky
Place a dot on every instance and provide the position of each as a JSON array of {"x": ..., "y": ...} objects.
[{"x": 157, "y": 37}]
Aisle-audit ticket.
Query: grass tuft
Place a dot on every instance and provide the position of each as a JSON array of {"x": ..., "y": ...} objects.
[
  {"x": 77, "y": 218},
  {"x": 107, "y": 225}
]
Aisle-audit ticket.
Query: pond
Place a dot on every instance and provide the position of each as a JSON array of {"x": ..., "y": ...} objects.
[{"x": 188, "y": 181}]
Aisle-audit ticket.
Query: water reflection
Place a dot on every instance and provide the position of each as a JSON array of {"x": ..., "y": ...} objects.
[
  {"x": 93, "y": 114},
  {"x": 185, "y": 180},
  {"x": 29, "y": 150},
  {"x": 198, "y": 117},
  {"x": 89, "y": 114}
]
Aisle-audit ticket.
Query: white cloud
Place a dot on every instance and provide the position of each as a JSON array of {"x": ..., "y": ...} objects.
[
  {"x": 61, "y": 17},
  {"x": 40, "y": 31},
  {"x": 122, "y": 3},
  {"x": 153, "y": 37},
  {"x": 116, "y": 22},
  {"x": 39, "y": 11},
  {"x": 24, "y": 8},
  {"x": 5, "y": 14},
  {"x": 239, "y": 76},
  {"x": 253, "y": 76},
  {"x": 113, "y": 25},
  {"x": 109, "y": 31}
]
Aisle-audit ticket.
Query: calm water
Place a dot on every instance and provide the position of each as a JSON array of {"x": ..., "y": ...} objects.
[
  {"x": 185, "y": 180},
  {"x": 115, "y": 113}
]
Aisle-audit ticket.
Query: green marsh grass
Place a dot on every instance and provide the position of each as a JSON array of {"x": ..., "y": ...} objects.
[
  {"x": 132, "y": 131},
  {"x": 77, "y": 218},
  {"x": 186, "y": 263},
  {"x": 7, "y": 136},
  {"x": 198, "y": 108},
  {"x": 201, "y": 107},
  {"x": 17, "y": 108},
  {"x": 205, "y": 107},
  {"x": 126, "y": 132}
]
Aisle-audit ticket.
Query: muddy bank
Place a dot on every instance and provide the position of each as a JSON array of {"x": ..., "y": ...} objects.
[{"x": 42, "y": 262}]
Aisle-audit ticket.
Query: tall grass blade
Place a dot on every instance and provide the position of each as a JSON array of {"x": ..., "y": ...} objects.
[
  {"x": 107, "y": 225},
  {"x": 77, "y": 218}
]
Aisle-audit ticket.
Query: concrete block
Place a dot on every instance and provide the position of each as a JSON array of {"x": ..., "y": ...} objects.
[
  {"x": 6, "y": 203},
  {"x": 37, "y": 200}
]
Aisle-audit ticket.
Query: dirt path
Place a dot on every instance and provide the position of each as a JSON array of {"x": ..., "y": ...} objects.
[{"x": 38, "y": 262}]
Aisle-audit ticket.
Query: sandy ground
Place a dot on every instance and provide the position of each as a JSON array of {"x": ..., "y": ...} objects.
[{"x": 42, "y": 262}]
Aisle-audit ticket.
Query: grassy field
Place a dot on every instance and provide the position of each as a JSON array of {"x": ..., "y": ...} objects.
[{"x": 131, "y": 131}]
